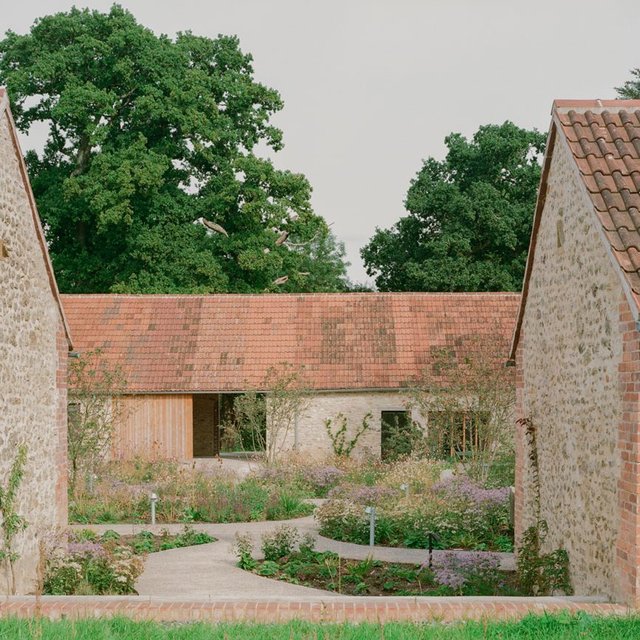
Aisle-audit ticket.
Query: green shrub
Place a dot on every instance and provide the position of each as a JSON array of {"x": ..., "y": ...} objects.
[
  {"x": 243, "y": 549},
  {"x": 280, "y": 542}
]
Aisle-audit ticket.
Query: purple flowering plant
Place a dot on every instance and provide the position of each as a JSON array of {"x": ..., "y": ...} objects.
[{"x": 477, "y": 570}]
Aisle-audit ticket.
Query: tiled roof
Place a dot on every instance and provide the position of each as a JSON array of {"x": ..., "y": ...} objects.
[
  {"x": 5, "y": 109},
  {"x": 228, "y": 342},
  {"x": 605, "y": 141}
]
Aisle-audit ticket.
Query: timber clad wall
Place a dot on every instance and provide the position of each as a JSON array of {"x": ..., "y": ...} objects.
[{"x": 155, "y": 427}]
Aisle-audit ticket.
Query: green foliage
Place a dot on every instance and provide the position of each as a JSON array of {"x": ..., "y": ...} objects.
[
  {"x": 243, "y": 549},
  {"x": 12, "y": 523},
  {"x": 185, "y": 495},
  {"x": 338, "y": 429},
  {"x": 469, "y": 219},
  {"x": 327, "y": 570},
  {"x": 539, "y": 573},
  {"x": 401, "y": 439},
  {"x": 148, "y": 135},
  {"x": 560, "y": 626},
  {"x": 542, "y": 574},
  {"x": 280, "y": 542},
  {"x": 95, "y": 386},
  {"x": 630, "y": 90},
  {"x": 462, "y": 514}
]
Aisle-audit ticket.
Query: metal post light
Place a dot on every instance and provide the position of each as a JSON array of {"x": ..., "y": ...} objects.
[
  {"x": 405, "y": 487},
  {"x": 154, "y": 499},
  {"x": 372, "y": 524}
]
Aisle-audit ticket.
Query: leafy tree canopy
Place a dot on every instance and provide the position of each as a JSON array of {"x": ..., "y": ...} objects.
[
  {"x": 469, "y": 217},
  {"x": 147, "y": 137},
  {"x": 630, "y": 90}
]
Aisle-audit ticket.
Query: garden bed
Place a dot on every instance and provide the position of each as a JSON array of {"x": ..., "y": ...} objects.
[
  {"x": 474, "y": 574},
  {"x": 446, "y": 573},
  {"x": 455, "y": 513},
  {"x": 109, "y": 564},
  {"x": 121, "y": 494}
]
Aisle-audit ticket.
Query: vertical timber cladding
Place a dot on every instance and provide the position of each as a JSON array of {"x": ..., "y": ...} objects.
[
  {"x": 155, "y": 427},
  {"x": 206, "y": 434}
]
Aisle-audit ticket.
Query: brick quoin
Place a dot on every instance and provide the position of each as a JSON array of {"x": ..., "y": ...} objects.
[{"x": 628, "y": 540}]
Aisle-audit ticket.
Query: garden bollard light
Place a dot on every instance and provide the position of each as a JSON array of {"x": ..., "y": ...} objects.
[
  {"x": 405, "y": 487},
  {"x": 372, "y": 524},
  {"x": 154, "y": 499}
]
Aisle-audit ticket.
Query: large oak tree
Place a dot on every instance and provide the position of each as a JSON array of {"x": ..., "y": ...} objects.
[
  {"x": 148, "y": 136},
  {"x": 469, "y": 217}
]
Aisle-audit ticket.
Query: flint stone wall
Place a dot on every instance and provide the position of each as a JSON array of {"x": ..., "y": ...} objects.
[
  {"x": 33, "y": 354},
  {"x": 570, "y": 349}
]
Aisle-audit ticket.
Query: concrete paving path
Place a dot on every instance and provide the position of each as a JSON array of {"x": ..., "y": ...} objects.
[{"x": 209, "y": 570}]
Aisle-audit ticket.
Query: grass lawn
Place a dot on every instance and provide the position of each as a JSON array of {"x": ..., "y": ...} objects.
[{"x": 561, "y": 626}]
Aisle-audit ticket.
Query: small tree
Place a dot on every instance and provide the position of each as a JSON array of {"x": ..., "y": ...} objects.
[
  {"x": 270, "y": 417},
  {"x": 466, "y": 397},
  {"x": 94, "y": 389}
]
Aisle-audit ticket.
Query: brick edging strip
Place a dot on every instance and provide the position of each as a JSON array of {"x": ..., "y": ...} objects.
[{"x": 283, "y": 610}]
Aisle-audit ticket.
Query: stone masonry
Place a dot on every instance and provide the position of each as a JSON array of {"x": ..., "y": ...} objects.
[
  {"x": 310, "y": 434},
  {"x": 570, "y": 350},
  {"x": 33, "y": 357}
]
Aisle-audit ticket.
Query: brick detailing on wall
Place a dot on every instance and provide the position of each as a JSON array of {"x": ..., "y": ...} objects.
[
  {"x": 628, "y": 539},
  {"x": 327, "y": 609}
]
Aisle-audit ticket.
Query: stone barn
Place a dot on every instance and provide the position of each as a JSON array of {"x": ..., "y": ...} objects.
[
  {"x": 34, "y": 345},
  {"x": 185, "y": 358},
  {"x": 577, "y": 349}
]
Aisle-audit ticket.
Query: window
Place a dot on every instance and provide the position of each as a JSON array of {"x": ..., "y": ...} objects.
[
  {"x": 453, "y": 434},
  {"x": 395, "y": 434}
]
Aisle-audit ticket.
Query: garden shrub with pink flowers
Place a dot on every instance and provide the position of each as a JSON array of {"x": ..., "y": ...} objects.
[{"x": 457, "y": 513}]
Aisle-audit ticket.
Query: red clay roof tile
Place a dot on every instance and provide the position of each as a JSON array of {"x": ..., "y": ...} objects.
[
  {"x": 604, "y": 138},
  {"x": 228, "y": 342}
]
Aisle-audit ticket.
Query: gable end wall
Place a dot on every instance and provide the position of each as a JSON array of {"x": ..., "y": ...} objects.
[
  {"x": 33, "y": 353},
  {"x": 569, "y": 353}
]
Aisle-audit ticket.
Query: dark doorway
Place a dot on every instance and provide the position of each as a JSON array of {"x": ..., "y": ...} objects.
[
  {"x": 395, "y": 435},
  {"x": 206, "y": 432}
]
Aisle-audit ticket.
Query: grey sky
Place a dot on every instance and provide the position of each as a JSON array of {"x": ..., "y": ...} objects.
[{"x": 372, "y": 87}]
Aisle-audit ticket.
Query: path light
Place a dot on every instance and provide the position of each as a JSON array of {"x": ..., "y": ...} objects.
[
  {"x": 405, "y": 487},
  {"x": 432, "y": 537},
  {"x": 372, "y": 524},
  {"x": 154, "y": 499}
]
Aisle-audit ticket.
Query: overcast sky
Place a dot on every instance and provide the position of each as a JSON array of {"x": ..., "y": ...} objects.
[{"x": 372, "y": 87}]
